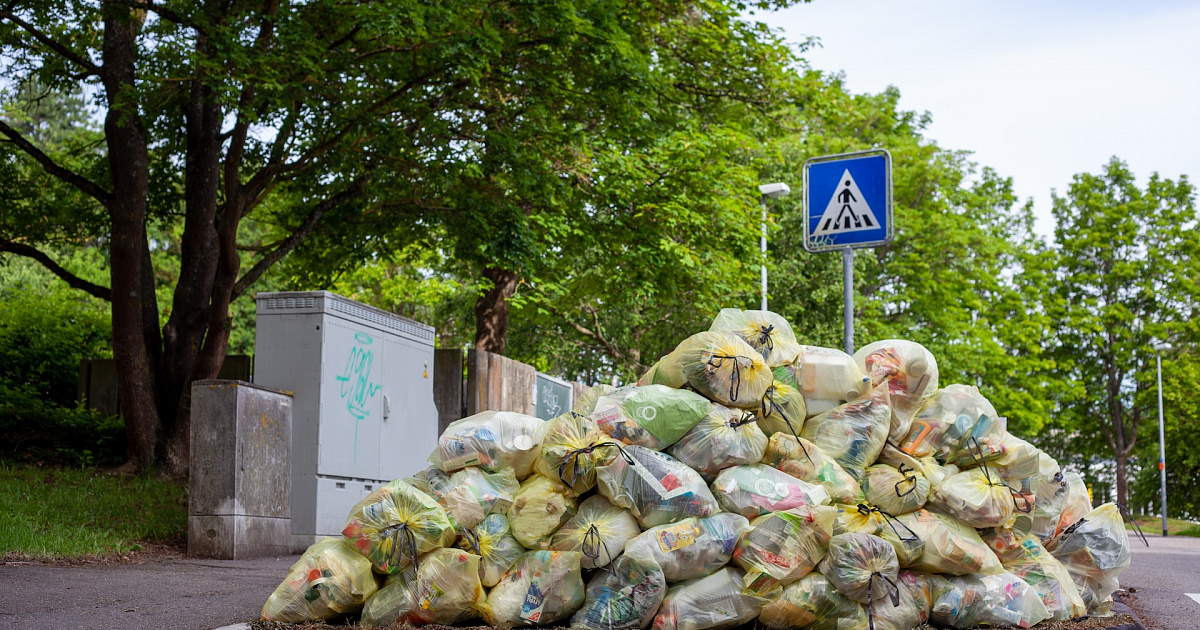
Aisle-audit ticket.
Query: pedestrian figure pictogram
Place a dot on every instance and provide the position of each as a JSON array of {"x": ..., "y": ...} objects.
[{"x": 847, "y": 210}]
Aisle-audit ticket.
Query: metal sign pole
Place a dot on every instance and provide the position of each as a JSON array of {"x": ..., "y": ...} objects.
[
  {"x": 763, "y": 246},
  {"x": 848, "y": 298},
  {"x": 1162, "y": 445}
]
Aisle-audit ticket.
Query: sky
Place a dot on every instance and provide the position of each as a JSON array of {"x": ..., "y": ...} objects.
[{"x": 1038, "y": 91}]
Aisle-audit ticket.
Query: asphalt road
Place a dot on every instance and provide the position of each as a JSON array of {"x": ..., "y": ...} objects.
[
  {"x": 1162, "y": 575},
  {"x": 183, "y": 594}
]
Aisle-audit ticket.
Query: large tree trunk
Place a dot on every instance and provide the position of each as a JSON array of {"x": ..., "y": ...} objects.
[
  {"x": 491, "y": 310},
  {"x": 1122, "y": 487},
  {"x": 129, "y": 165}
]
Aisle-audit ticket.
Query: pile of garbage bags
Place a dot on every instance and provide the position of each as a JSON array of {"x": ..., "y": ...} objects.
[{"x": 744, "y": 477}]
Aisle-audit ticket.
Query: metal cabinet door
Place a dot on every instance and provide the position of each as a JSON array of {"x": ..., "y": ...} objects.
[
  {"x": 351, "y": 400},
  {"x": 409, "y": 433}
]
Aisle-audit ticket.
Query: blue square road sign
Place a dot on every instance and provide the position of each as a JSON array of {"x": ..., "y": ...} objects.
[{"x": 848, "y": 201}]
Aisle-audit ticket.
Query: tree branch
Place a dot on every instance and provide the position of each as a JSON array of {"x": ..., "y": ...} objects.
[
  {"x": 21, "y": 249},
  {"x": 57, "y": 47},
  {"x": 50, "y": 166}
]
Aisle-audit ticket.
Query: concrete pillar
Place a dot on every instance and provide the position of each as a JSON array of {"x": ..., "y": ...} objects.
[{"x": 239, "y": 483}]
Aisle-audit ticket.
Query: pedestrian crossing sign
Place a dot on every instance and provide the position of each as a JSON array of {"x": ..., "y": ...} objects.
[{"x": 848, "y": 201}]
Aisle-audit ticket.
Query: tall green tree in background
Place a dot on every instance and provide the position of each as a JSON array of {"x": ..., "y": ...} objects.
[{"x": 1125, "y": 271}]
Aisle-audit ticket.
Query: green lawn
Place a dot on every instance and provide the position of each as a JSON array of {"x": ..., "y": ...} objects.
[
  {"x": 1175, "y": 526},
  {"x": 62, "y": 513}
]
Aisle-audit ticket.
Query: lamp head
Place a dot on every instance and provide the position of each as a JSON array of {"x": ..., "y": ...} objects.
[
  {"x": 778, "y": 189},
  {"x": 1162, "y": 347}
]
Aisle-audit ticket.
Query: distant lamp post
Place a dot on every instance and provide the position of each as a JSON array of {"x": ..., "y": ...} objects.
[
  {"x": 1160, "y": 348},
  {"x": 773, "y": 191}
]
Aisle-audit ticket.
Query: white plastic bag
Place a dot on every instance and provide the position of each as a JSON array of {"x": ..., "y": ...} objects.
[{"x": 910, "y": 372}]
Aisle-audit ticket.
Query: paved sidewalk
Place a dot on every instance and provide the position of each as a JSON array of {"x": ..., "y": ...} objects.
[
  {"x": 1163, "y": 575},
  {"x": 180, "y": 594}
]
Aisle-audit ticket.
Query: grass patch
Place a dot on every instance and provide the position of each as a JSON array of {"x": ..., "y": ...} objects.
[
  {"x": 63, "y": 512},
  {"x": 1175, "y": 526}
]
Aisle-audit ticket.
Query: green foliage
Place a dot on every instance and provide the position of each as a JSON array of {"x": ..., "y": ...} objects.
[
  {"x": 57, "y": 513},
  {"x": 1181, "y": 412}
]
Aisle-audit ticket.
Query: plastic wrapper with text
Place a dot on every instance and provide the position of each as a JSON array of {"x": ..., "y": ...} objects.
[
  {"x": 543, "y": 588},
  {"x": 623, "y": 598},
  {"x": 691, "y": 548}
]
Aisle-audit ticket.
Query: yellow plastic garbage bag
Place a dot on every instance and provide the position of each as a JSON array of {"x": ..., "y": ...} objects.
[
  {"x": 782, "y": 410},
  {"x": 569, "y": 451},
  {"x": 724, "y": 437},
  {"x": 492, "y": 440},
  {"x": 945, "y": 426},
  {"x": 975, "y": 497},
  {"x": 895, "y": 490},
  {"x": 725, "y": 369},
  {"x": 396, "y": 523},
  {"x": 541, "y": 506},
  {"x": 1025, "y": 557},
  {"x": 543, "y": 588},
  {"x": 445, "y": 590},
  {"x": 666, "y": 371},
  {"x": 783, "y": 547},
  {"x": 951, "y": 547},
  {"x": 929, "y": 467},
  {"x": 825, "y": 377},
  {"x": 1050, "y": 499},
  {"x": 757, "y": 489},
  {"x": 860, "y": 566},
  {"x": 624, "y": 598},
  {"x": 691, "y": 548},
  {"x": 586, "y": 403},
  {"x": 599, "y": 530},
  {"x": 991, "y": 600},
  {"x": 469, "y": 494},
  {"x": 868, "y": 519},
  {"x": 766, "y": 332},
  {"x": 653, "y": 416},
  {"x": 1096, "y": 551},
  {"x": 656, "y": 487},
  {"x": 814, "y": 604},
  {"x": 853, "y": 433},
  {"x": 805, "y": 461},
  {"x": 910, "y": 372},
  {"x": 329, "y": 580},
  {"x": 899, "y": 610},
  {"x": 495, "y": 545},
  {"x": 713, "y": 602}
]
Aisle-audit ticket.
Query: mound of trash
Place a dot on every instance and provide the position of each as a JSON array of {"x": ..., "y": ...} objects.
[{"x": 745, "y": 476}]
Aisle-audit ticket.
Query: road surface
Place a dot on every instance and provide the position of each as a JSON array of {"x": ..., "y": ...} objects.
[{"x": 1161, "y": 578}]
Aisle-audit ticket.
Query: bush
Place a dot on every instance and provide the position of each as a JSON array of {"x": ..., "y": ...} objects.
[{"x": 34, "y": 431}]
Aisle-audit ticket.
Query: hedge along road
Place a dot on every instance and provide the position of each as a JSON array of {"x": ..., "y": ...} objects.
[
  {"x": 1164, "y": 574},
  {"x": 172, "y": 593}
]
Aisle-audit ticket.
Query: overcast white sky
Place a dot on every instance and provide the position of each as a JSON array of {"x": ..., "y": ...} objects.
[{"x": 1038, "y": 90}]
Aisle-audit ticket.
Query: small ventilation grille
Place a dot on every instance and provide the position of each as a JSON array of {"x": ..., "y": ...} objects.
[
  {"x": 304, "y": 302},
  {"x": 381, "y": 319}
]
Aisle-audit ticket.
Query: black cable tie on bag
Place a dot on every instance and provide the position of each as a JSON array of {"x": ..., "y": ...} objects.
[
  {"x": 765, "y": 339},
  {"x": 403, "y": 540},
  {"x": 1028, "y": 504},
  {"x": 572, "y": 457},
  {"x": 987, "y": 473},
  {"x": 908, "y": 478},
  {"x": 1138, "y": 528},
  {"x": 889, "y": 586},
  {"x": 768, "y": 407},
  {"x": 472, "y": 540},
  {"x": 592, "y": 544},
  {"x": 735, "y": 383},
  {"x": 866, "y": 510},
  {"x": 746, "y": 418}
]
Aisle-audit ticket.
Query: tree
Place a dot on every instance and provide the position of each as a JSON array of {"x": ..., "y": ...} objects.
[{"x": 1125, "y": 263}]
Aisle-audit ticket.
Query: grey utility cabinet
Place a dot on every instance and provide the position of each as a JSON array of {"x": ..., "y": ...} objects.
[{"x": 363, "y": 413}]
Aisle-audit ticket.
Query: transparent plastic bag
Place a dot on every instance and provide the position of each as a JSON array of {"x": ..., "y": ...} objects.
[
  {"x": 541, "y": 506},
  {"x": 445, "y": 590},
  {"x": 766, "y": 332},
  {"x": 929, "y": 467},
  {"x": 492, "y": 440},
  {"x": 853, "y": 433},
  {"x": 708, "y": 603},
  {"x": 975, "y": 497},
  {"x": 691, "y": 548},
  {"x": 994, "y": 600},
  {"x": 950, "y": 547},
  {"x": 494, "y": 543},
  {"x": 1051, "y": 498},
  {"x": 895, "y": 490},
  {"x": 543, "y": 588},
  {"x": 569, "y": 451},
  {"x": 1096, "y": 551},
  {"x": 654, "y": 416},
  {"x": 783, "y": 547},
  {"x": 868, "y": 519},
  {"x": 470, "y": 494},
  {"x": 910, "y": 372},
  {"x": 624, "y": 598},
  {"x": 860, "y": 566},
  {"x": 782, "y": 410},
  {"x": 599, "y": 530},
  {"x": 586, "y": 403},
  {"x": 656, "y": 487},
  {"x": 396, "y": 523},
  {"x": 825, "y": 377},
  {"x": 724, "y": 437},
  {"x": 814, "y": 604},
  {"x": 1075, "y": 502},
  {"x": 945, "y": 426},
  {"x": 805, "y": 461},
  {"x": 757, "y": 489},
  {"x": 329, "y": 580},
  {"x": 1025, "y": 557},
  {"x": 724, "y": 368},
  {"x": 666, "y": 371}
]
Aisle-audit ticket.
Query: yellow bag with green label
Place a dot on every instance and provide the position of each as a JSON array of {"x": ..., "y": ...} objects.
[
  {"x": 492, "y": 541},
  {"x": 814, "y": 604},
  {"x": 329, "y": 580},
  {"x": 691, "y": 548},
  {"x": 541, "y": 506},
  {"x": 543, "y": 588},
  {"x": 599, "y": 530},
  {"x": 444, "y": 590},
  {"x": 395, "y": 524},
  {"x": 654, "y": 416}
]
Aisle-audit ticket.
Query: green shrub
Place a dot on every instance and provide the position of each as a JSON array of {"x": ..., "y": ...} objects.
[{"x": 35, "y": 431}]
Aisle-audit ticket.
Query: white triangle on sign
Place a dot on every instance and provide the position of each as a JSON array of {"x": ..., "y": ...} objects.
[{"x": 847, "y": 210}]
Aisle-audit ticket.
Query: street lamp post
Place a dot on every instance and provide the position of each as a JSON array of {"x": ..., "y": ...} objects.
[
  {"x": 778, "y": 189},
  {"x": 1162, "y": 440}
]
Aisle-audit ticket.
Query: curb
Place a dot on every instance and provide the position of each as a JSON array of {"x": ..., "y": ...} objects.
[{"x": 1120, "y": 608}]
